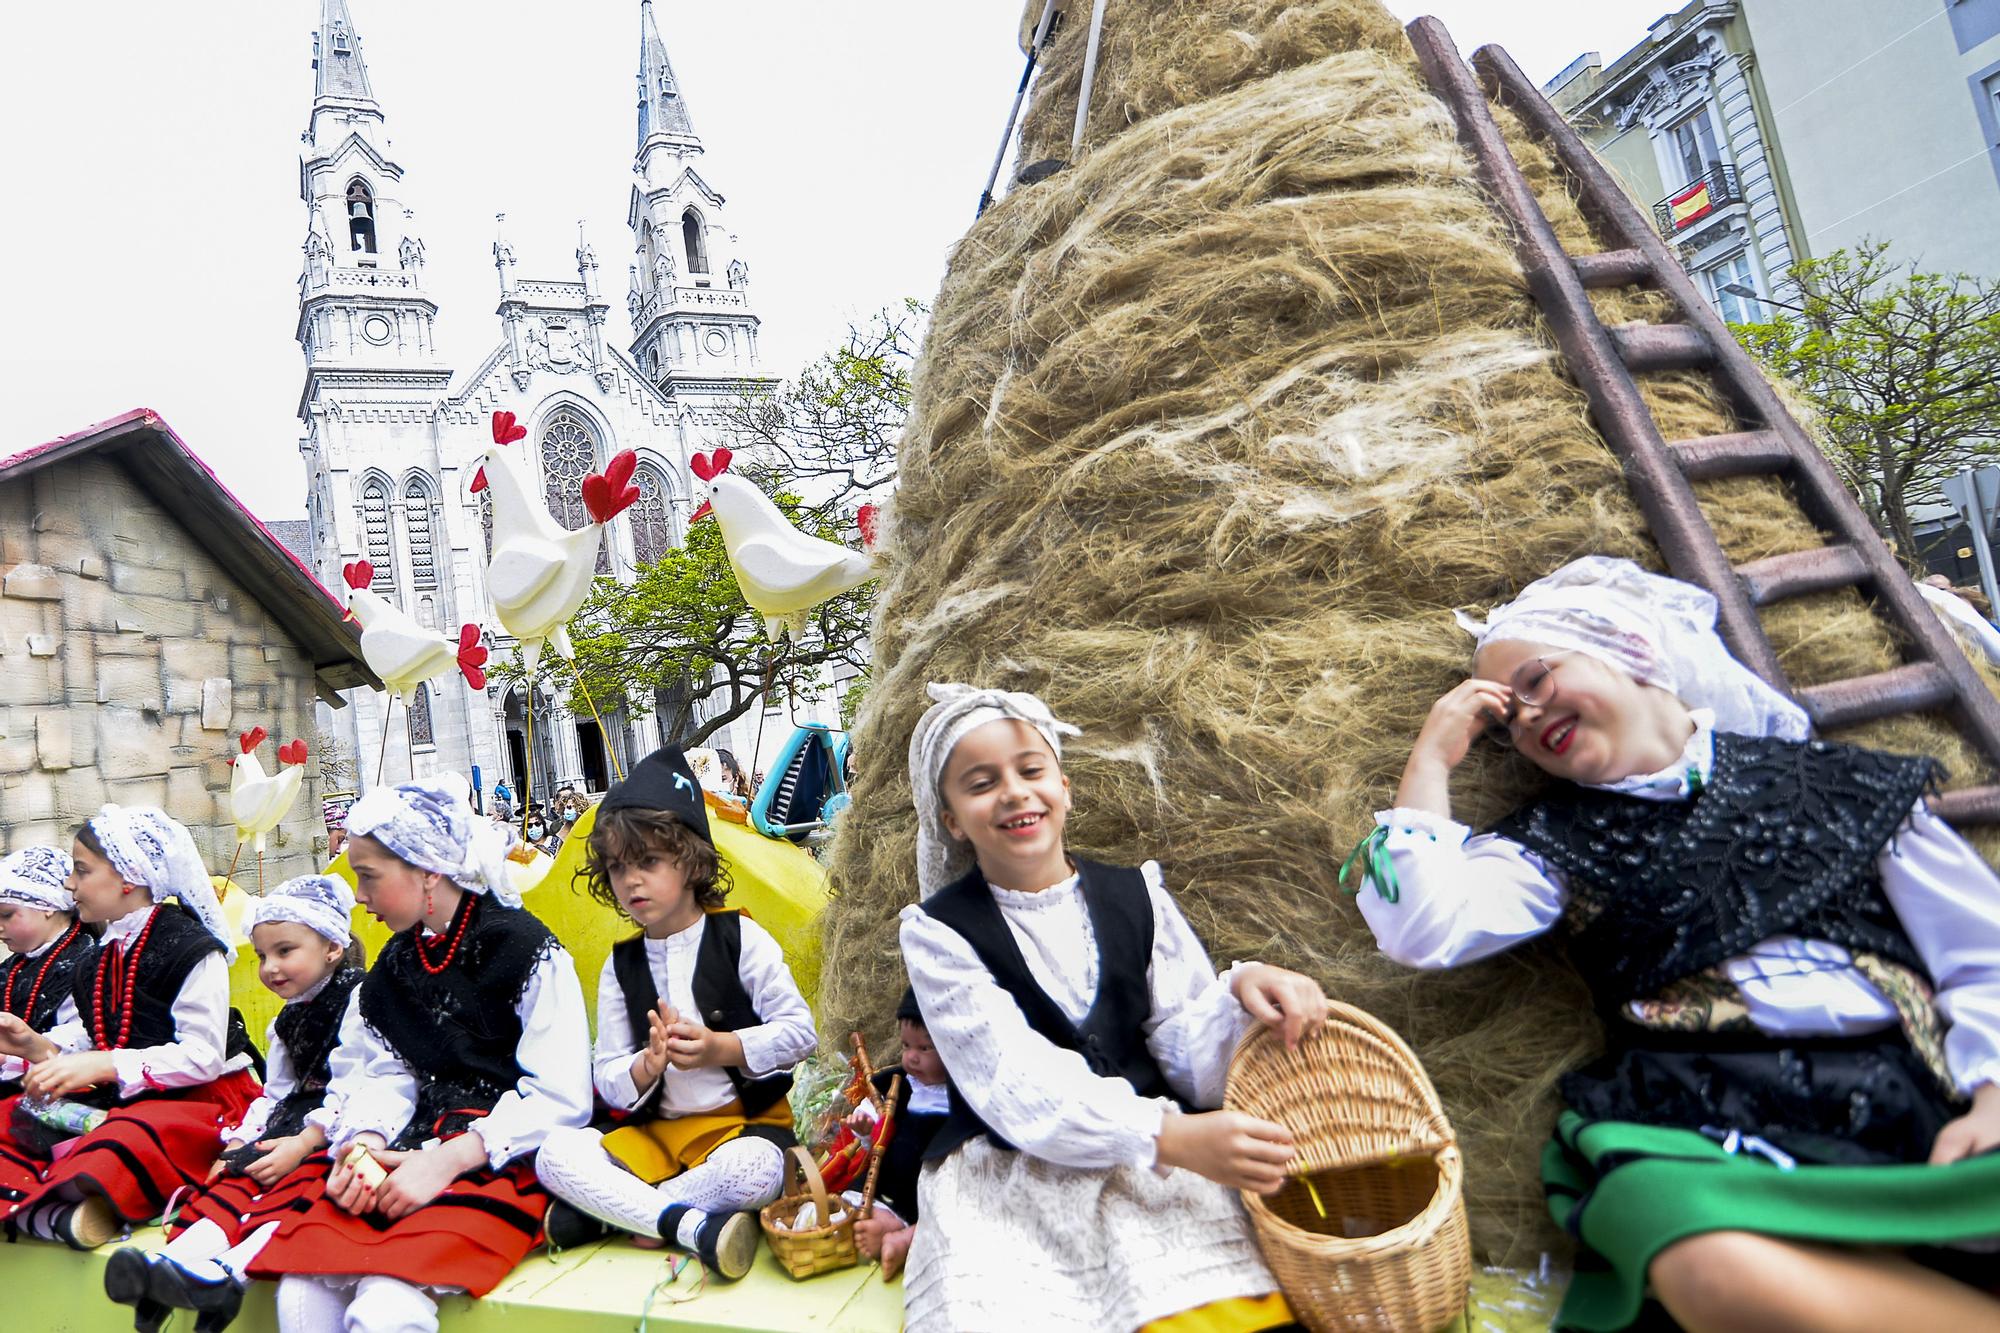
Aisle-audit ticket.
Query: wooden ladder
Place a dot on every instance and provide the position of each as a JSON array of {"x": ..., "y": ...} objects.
[{"x": 1603, "y": 360}]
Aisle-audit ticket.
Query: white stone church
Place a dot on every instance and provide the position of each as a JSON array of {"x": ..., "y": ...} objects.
[{"x": 393, "y": 433}]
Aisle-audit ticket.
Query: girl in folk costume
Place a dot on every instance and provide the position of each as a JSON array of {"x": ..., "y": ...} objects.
[
  {"x": 698, "y": 1025},
  {"x": 154, "y": 1040},
  {"x": 274, "y": 1161},
  {"x": 38, "y": 924},
  {"x": 1081, "y": 1022},
  {"x": 467, "y": 1046},
  {"x": 1797, "y": 963}
]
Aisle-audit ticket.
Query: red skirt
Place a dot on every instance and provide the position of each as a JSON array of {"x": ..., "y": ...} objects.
[
  {"x": 144, "y": 1151},
  {"x": 470, "y": 1236},
  {"x": 239, "y": 1205}
]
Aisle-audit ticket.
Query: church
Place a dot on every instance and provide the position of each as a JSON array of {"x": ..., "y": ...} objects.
[{"x": 392, "y": 433}]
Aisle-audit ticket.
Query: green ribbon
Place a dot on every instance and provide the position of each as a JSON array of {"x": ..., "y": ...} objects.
[{"x": 1372, "y": 858}]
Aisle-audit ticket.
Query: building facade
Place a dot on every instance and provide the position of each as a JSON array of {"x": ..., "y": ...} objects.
[{"x": 392, "y": 433}]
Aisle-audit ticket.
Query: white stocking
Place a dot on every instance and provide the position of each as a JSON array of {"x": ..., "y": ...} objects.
[
  {"x": 203, "y": 1240},
  {"x": 573, "y": 1166},
  {"x": 390, "y": 1305},
  {"x": 742, "y": 1174},
  {"x": 312, "y": 1304}
]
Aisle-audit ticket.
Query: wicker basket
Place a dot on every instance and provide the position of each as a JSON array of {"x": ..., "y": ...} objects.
[
  {"x": 1372, "y": 1234},
  {"x": 823, "y": 1249}
]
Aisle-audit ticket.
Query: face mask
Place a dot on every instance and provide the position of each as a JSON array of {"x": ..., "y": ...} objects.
[
  {"x": 569, "y": 816},
  {"x": 535, "y": 830}
]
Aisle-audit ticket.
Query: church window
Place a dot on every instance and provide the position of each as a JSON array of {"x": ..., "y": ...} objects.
[
  {"x": 697, "y": 249},
  {"x": 652, "y": 523},
  {"x": 418, "y": 523},
  {"x": 360, "y": 217},
  {"x": 569, "y": 454},
  {"x": 421, "y": 735},
  {"x": 375, "y": 534}
]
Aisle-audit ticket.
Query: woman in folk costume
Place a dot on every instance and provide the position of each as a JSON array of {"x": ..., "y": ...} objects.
[
  {"x": 1073, "y": 1185},
  {"x": 274, "y": 1162},
  {"x": 1798, "y": 966},
  {"x": 699, "y": 1023},
  {"x": 154, "y": 1040},
  {"x": 468, "y": 1045},
  {"x": 38, "y": 925}
]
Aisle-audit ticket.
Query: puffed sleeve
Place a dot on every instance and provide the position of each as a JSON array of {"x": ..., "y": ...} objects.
[
  {"x": 554, "y": 1089},
  {"x": 1196, "y": 1019},
  {"x": 786, "y": 1035},
  {"x": 370, "y": 1089},
  {"x": 1460, "y": 896},
  {"x": 616, "y": 1047},
  {"x": 1949, "y": 903},
  {"x": 201, "y": 1025},
  {"x": 279, "y": 1083}
]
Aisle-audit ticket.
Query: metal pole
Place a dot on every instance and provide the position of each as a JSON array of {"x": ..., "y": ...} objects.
[
  {"x": 1049, "y": 14},
  {"x": 1089, "y": 77}
]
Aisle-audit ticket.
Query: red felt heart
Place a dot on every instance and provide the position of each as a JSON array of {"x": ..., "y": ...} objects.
[
  {"x": 359, "y": 574},
  {"x": 252, "y": 738},
  {"x": 506, "y": 430},
  {"x": 468, "y": 637},
  {"x": 621, "y": 467},
  {"x": 722, "y": 457},
  {"x": 472, "y": 656},
  {"x": 700, "y": 467},
  {"x": 606, "y": 501},
  {"x": 294, "y": 753},
  {"x": 868, "y": 518}
]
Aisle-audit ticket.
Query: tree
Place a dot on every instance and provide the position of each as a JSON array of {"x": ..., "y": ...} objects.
[{"x": 1900, "y": 366}]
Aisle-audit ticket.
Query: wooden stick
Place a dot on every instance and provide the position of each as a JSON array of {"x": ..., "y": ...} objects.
[
  {"x": 528, "y": 770},
  {"x": 382, "y": 758},
  {"x": 610, "y": 750},
  {"x": 231, "y": 872}
]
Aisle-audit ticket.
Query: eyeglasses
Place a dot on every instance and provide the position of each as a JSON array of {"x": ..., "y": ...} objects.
[{"x": 1533, "y": 684}]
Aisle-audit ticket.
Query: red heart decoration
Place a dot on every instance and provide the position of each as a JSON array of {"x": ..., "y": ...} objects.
[
  {"x": 359, "y": 574},
  {"x": 505, "y": 429},
  {"x": 722, "y": 457},
  {"x": 294, "y": 753},
  {"x": 604, "y": 500},
  {"x": 620, "y": 469},
  {"x": 468, "y": 637},
  {"x": 252, "y": 738},
  {"x": 472, "y": 656},
  {"x": 699, "y": 465},
  {"x": 868, "y": 518}
]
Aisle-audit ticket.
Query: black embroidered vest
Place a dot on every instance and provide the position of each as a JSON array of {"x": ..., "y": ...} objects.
[
  {"x": 175, "y": 943},
  {"x": 73, "y": 949},
  {"x": 457, "y": 1028},
  {"x": 1110, "y": 1038},
  {"x": 719, "y": 994},
  {"x": 1782, "y": 840},
  {"x": 310, "y": 1030}
]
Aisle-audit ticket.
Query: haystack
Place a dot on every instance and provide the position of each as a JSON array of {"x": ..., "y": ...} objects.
[{"x": 1213, "y": 430}]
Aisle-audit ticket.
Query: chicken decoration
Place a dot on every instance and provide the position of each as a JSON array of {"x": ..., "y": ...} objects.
[
  {"x": 401, "y": 651},
  {"x": 259, "y": 802},
  {"x": 783, "y": 572}
]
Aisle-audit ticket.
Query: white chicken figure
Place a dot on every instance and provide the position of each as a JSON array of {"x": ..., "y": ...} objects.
[
  {"x": 399, "y": 650},
  {"x": 783, "y": 572},
  {"x": 257, "y": 802},
  {"x": 540, "y": 572}
]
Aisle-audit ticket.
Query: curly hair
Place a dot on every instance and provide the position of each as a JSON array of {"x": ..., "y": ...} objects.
[{"x": 629, "y": 834}]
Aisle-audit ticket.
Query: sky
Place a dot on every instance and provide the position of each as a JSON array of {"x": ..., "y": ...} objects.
[{"x": 151, "y": 225}]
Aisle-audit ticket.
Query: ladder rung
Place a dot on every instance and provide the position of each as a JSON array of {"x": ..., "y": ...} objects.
[
  {"x": 1798, "y": 573},
  {"x": 1655, "y": 347},
  {"x": 1750, "y": 453},
  {"x": 1614, "y": 268},
  {"x": 1905, "y": 689},
  {"x": 1972, "y": 805}
]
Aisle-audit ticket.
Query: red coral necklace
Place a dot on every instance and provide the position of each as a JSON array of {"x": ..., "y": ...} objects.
[
  {"x": 35, "y": 990},
  {"x": 122, "y": 970},
  {"x": 456, "y": 938}
]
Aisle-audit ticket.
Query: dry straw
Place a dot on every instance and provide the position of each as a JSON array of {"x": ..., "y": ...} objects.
[{"x": 1212, "y": 431}]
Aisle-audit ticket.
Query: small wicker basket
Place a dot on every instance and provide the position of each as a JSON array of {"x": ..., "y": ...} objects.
[
  {"x": 822, "y": 1248},
  {"x": 1371, "y": 1236}
]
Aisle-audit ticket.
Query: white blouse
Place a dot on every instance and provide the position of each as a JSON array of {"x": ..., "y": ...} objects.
[
  {"x": 281, "y": 1079},
  {"x": 1038, "y": 1096},
  {"x": 372, "y": 1089},
  {"x": 201, "y": 1026},
  {"x": 12, "y": 1067},
  {"x": 1466, "y": 896},
  {"x": 784, "y": 1038}
]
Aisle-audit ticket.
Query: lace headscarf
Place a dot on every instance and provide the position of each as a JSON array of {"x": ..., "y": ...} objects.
[
  {"x": 320, "y": 903},
  {"x": 37, "y": 877},
  {"x": 430, "y": 824},
  {"x": 1658, "y": 630},
  {"x": 146, "y": 847},
  {"x": 959, "y": 709}
]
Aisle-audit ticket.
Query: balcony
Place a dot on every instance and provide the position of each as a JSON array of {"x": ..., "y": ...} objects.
[{"x": 1712, "y": 191}]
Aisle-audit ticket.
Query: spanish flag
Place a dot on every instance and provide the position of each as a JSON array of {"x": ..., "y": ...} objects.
[{"x": 1691, "y": 204}]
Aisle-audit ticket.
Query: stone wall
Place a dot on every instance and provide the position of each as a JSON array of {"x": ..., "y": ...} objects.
[{"x": 129, "y": 661}]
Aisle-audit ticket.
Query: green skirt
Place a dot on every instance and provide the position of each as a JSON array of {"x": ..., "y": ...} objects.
[{"x": 1627, "y": 1191}]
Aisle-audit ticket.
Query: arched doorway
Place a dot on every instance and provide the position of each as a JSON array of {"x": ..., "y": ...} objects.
[{"x": 540, "y": 781}]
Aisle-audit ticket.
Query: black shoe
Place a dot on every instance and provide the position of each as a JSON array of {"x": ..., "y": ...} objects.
[
  {"x": 567, "y": 1227},
  {"x": 127, "y": 1280},
  {"x": 215, "y": 1303},
  {"x": 726, "y": 1242}
]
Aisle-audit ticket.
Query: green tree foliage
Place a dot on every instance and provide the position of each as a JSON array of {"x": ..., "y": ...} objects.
[{"x": 1903, "y": 368}]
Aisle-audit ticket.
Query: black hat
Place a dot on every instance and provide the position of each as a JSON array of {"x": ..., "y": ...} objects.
[
  {"x": 662, "y": 781},
  {"x": 907, "y": 1011}
]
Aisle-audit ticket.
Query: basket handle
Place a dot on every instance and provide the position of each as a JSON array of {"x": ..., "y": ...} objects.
[{"x": 799, "y": 1158}]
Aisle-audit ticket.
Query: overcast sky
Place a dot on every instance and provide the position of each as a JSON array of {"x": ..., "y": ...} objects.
[{"x": 150, "y": 225}]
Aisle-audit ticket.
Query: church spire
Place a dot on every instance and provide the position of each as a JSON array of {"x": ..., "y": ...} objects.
[
  {"x": 339, "y": 73},
  {"x": 661, "y": 110}
]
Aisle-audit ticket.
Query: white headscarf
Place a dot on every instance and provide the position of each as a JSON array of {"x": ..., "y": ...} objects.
[
  {"x": 1657, "y": 630},
  {"x": 320, "y": 903},
  {"x": 37, "y": 877},
  {"x": 430, "y": 824},
  {"x": 146, "y": 847},
  {"x": 942, "y": 858}
]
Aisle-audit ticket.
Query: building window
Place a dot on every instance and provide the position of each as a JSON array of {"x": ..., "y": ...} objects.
[
  {"x": 697, "y": 249},
  {"x": 418, "y": 523},
  {"x": 569, "y": 454},
  {"x": 360, "y": 218},
  {"x": 1734, "y": 271},
  {"x": 652, "y": 525},
  {"x": 375, "y": 534},
  {"x": 1695, "y": 146},
  {"x": 421, "y": 737}
]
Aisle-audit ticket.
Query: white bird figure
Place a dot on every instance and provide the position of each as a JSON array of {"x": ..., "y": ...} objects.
[
  {"x": 540, "y": 571},
  {"x": 783, "y": 572},
  {"x": 399, "y": 650},
  {"x": 259, "y": 802}
]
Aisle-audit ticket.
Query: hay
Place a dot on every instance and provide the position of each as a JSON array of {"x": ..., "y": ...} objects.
[{"x": 1212, "y": 431}]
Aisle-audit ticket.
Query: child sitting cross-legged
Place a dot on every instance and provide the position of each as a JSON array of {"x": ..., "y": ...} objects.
[
  {"x": 38, "y": 924},
  {"x": 698, "y": 1025}
]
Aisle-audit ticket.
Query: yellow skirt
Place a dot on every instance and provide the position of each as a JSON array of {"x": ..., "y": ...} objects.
[
  {"x": 1236, "y": 1314},
  {"x": 661, "y": 1149}
]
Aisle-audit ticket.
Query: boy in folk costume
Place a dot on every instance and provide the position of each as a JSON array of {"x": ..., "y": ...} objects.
[
  {"x": 466, "y": 1047},
  {"x": 38, "y": 924},
  {"x": 698, "y": 1025},
  {"x": 154, "y": 1040}
]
